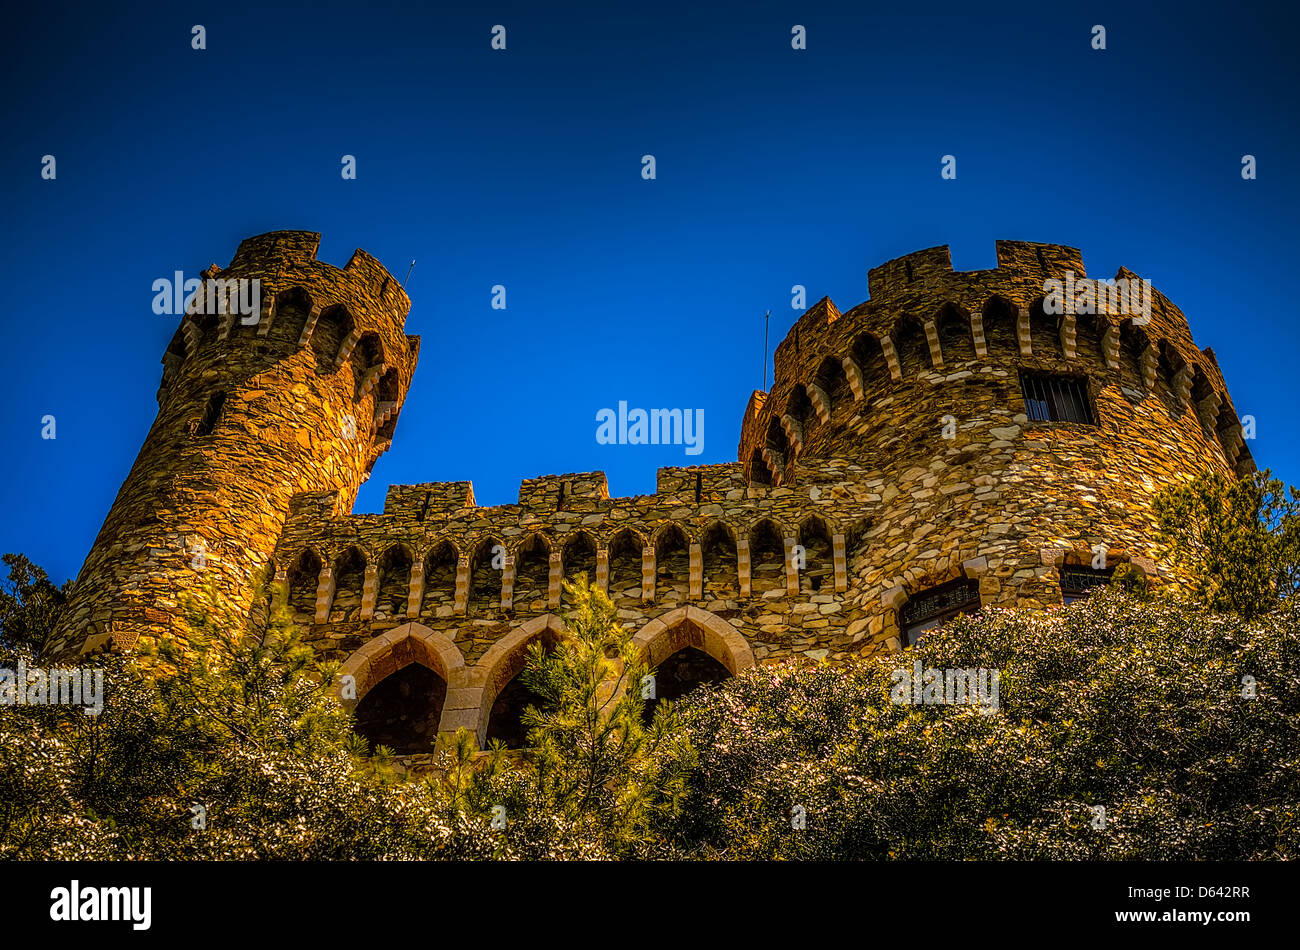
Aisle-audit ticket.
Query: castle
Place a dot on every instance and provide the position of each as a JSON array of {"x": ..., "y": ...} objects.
[{"x": 947, "y": 444}]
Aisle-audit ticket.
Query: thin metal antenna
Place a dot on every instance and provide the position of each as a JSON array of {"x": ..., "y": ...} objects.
[
  {"x": 766, "y": 317},
  {"x": 408, "y": 274}
]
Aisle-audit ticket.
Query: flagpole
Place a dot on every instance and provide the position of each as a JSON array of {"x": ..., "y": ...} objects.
[{"x": 766, "y": 317}]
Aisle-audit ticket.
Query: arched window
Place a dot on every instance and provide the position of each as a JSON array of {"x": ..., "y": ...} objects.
[
  {"x": 625, "y": 557},
  {"x": 440, "y": 581},
  {"x": 955, "y": 340},
  {"x": 349, "y": 578},
  {"x": 672, "y": 566},
  {"x": 766, "y": 559},
  {"x": 721, "y": 581},
  {"x": 304, "y": 580},
  {"x": 578, "y": 557},
  {"x": 818, "y": 572},
  {"x": 532, "y": 575},
  {"x": 485, "y": 577},
  {"x": 394, "y": 583}
]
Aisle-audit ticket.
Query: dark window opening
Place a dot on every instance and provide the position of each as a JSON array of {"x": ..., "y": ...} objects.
[
  {"x": 1051, "y": 398},
  {"x": 937, "y": 605},
  {"x": 211, "y": 414},
  {"x": 1042, "y": 264},
  {"x": 699, "y": 487},
  {"x": 908, "y": 265},
  {"x": 1078, "y": 580}
]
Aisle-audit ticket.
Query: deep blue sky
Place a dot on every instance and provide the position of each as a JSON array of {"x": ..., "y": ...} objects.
[{"x": 522, "y": 168}]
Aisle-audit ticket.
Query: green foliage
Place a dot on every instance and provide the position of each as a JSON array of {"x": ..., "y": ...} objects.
[
  {"x": 30, "y": 604},
  {"x": 1137, "y": 705},
  {"x": 1238, "y": 540},
  {"x": 597, "y": 772},
  {"x": 1134, "y": 706}
]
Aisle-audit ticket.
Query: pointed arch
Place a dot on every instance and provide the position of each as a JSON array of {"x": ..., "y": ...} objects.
[
  {"x": 720, "y": 564},
  {"x": 394, "y": 581},
  {"x": 304, "y": 579},
  {"x": 626, "y": 551},
  {"x": 532, "y": 572},
  {"x": 999, "y": 322},
  {"x": 386, "y": 654},
  {"x": 955, "y": 339},
  {"x": 692, "y": 626},
  {"x": 912, "y": 346},
  {"x": 440, "y": 580}
]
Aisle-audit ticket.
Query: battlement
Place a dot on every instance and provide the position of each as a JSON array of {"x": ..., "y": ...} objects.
[
  {"x": 553, "y": 492},
  {"x": 281, "y": 256},
  {"x": 428, "y": 499}
]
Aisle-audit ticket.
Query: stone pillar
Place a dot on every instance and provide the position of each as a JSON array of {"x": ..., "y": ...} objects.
[
  {"x": 415, "y": 594},
  {"x": 648, "y": 573},
  {"x": 1022, "y": 332},
  {"x": 791, "y": 572},
  {"x": 977, "y": 334},
  {"x": 853, "y": 373},
  {"x": 267, "y": 315},
  {"x": 507, "y": 583},
  {"x": 840, "y": 562},
  {"x": 697, "y": 572},
  {"x": 309, "y": 326},
  {"x": 462, "y": 586},
  {"x": 280, "y": 589},
  {"x": 742, "y": 566},
  {"x": 553, "y": 582},
  {"x": 324, "y": 593},
  {"x": 369, "y": 591},
  {"x": 1110, "y": 347},
  {"x": 1068, "y": 335},
  {"x": 602, "y": 568}
]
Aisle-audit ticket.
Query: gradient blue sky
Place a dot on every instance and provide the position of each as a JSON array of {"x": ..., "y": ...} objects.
[{"x": 522, "y": 168}]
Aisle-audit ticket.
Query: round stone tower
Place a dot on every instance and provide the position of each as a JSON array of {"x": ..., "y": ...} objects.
[
  {"x": 994, "y": 428},
  {"x": 289, "y": 385}
]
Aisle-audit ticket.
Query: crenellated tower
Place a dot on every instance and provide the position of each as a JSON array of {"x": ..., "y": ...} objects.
[{"x": 253, "y": 409}]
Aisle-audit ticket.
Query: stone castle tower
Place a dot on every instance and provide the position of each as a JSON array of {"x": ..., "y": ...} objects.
[
  {"x": 945, "y": 445},
  {"x": 249, "y": 416}
]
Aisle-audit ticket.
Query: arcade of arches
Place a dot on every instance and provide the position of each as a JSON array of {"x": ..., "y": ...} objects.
[{"x": 412, "y": 683}]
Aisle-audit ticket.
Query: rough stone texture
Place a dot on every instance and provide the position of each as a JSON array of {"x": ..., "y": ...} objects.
[{"x": 845, "y": 457}]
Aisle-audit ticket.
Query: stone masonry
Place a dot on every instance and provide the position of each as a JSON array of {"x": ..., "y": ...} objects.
[{"x": 893, "y": 453}]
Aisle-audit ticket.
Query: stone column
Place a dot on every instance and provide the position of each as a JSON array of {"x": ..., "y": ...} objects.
[
  {"x": 791, "y": 572},
  {"x": 415, "y": 594},
  {"x": 462, "y": 586},
  {"x": 507, "y": 583},
  {"x": 602, "y": 568},
  {"x": 648, "y": 573},
  {"x": 697, "y": 572},
  {"x": 553, "y": 582},
  {"x": 840, "y": 562},
  {"x": 324, "y": 593},
  {"x": 369, "y": 592},
  {"x": 742, "y": 566}
]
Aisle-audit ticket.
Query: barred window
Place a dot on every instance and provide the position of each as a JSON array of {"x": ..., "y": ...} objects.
[
  {"x": 1077, "y": 580},
  {"x": 937, "y": 605},
  {"x": 1054, "y": 398}
]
